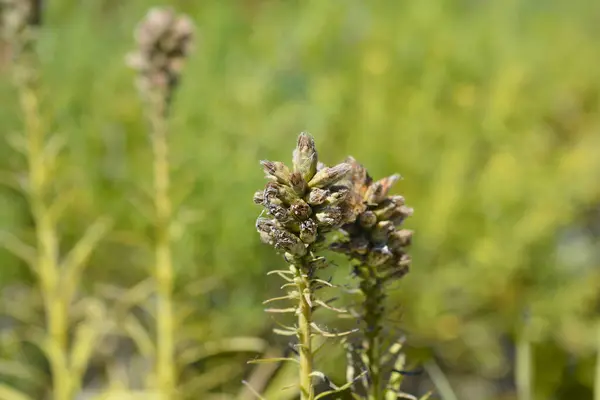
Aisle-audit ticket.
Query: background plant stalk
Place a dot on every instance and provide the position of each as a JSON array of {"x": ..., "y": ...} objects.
[
  {"x": 46, "y": 264},
  {"x": 165, "y": 364},
  {"x": 302, "y": 280}
]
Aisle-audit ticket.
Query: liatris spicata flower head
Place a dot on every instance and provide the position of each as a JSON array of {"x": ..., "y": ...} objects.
[
  {"x": 164, "y": 41},
  {"x": 304, "y": 202},
  {"x": 375, "y": 238},
  {"x": 376, "y": 244}
]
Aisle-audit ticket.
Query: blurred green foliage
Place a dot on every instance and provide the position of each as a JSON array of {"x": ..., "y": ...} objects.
[{"x": 490, "y": 111}]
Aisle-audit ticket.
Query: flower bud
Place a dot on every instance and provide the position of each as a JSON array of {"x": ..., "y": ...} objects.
[
  {"x": 329, "y": 176},
  {"x": 359, "y": 245},
  {"x": 281, "y": 192},
  {"x": 367, "y": 220},
  {"x": 308, "y": 231},
  {"x": 329, "y": 217},
  {"x": 300, "y": 210},
  {"x": 381, "y": 231},
  {"x": 399, "y": 200},
  {"x": 400, "y": 214},
  {"x": 385, "y": 210},
  {"x": 280, "y": 213},
  {"x": 265, "y": 226},
  {"x": 399, "y": 239},
  {"x": 259, "y": 197},
  {"x": 276, "y": 171},
  {"x": 317, "y": 196},
  {"x": 298, "y": 183},
  {"x": 338, "y": 196},
  {"x": 374, "y": 193},
  {"x": 286, "y": 241},
  {"x": 378, "y": 256},
  {"x": 305, "y": 157}
]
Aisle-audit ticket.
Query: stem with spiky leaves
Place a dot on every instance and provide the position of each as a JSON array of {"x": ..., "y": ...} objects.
[
  {"x": 18, "y": 22},
  {"x": 373, "y": 308},
  {"x": 47, "y": 244},
  {"x": 302, "y": 278},
  {"x": 165, "y": 362},
  {"x": 164, "y": 41},
  {"x": 301, "y": 206}
]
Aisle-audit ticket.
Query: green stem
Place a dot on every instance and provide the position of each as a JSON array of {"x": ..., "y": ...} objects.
[
  {"x": 597, "y": 377},
  {"x": 524, "y": 368},
  {"x": 372, "y": 288},
  {"x": 302, "y": 280},
  {"x": 47, "y": 241},
  {"x": 165, "y": 367}
]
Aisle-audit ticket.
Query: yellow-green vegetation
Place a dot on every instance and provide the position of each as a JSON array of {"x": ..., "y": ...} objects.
[{"x": 489, "y": 110}]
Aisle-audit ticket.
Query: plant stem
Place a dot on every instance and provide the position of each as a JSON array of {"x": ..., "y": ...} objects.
[
  {"x": 597, "y": 377},
  {"x": 46, "y": 237},
  {"x": 523, "y": 369},
  {"x": 372, "y": 288},
  {"x": 302, "y": 280},
  {"x": 164, "y": 267}
]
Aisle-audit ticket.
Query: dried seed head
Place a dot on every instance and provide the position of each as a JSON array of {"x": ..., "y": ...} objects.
[
  {"x": 374, "y": 239},
  {"x": 164, "y": 41},
  {"x": 302, "y": 213},
  {"x": 305, "y": 156}
]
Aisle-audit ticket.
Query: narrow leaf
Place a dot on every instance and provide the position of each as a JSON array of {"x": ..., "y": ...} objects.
[{"x": 270, "y": 360}]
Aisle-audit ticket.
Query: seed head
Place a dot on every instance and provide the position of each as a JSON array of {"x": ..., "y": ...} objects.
[
  {"x": 375, "y": 239},
  {"x": 305, "y": 202},
  {"x": 164, "y": 41}
]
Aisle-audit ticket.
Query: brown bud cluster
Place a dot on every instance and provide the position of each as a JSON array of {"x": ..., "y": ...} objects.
[
  {"x": 164, "y": 41},
  {"x": 304, "y": 202},
  {"x": 376, "y": 239}
]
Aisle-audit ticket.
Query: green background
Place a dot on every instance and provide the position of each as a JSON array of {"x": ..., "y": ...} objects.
[{"x": 489, "y": 111}]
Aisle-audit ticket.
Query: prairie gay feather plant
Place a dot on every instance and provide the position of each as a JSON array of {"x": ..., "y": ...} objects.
[
  {"x": 376, "y": 245},
  {"x": 301, "y": 205},
  {"x": 164, "y": 40}
]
